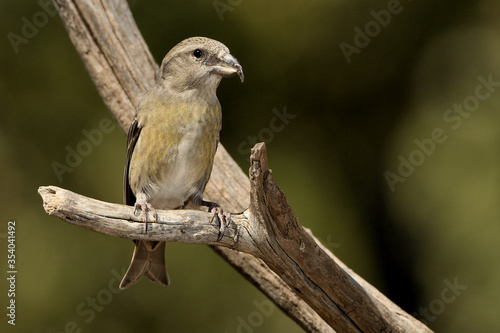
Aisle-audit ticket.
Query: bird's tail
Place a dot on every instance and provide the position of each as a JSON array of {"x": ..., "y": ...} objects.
[{"x": 148, "y": 260}]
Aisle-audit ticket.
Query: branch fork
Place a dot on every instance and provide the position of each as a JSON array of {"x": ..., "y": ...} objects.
[{"x": 268, "y": 230}]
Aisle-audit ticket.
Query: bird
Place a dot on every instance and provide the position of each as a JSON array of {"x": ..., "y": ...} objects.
[{"x": 172, "y": 141}]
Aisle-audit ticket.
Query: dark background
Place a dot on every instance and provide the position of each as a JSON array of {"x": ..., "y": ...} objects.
[{"x": 428, "y": 240}]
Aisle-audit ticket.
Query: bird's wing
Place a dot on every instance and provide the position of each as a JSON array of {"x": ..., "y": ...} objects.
[{"x": 132, "y": 137}]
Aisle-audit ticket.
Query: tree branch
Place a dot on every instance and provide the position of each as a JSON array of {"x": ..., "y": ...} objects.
[
  {"x": 308, "y": 283},
  {"x": 268, "y": 230},
  {"x": 116, "y": 220}
]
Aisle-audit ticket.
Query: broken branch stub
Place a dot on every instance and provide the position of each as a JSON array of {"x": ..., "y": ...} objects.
[{"x": 294, "y": 255}]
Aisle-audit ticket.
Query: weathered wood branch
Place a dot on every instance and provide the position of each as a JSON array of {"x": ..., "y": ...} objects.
[
  {"x": 118, "y": 60},
  {"x": 268, "y": 230},
  {"x": 117, "y": 220}
]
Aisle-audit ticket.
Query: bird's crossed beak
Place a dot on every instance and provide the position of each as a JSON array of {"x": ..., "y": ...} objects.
[{"x": 228, "y": 66}]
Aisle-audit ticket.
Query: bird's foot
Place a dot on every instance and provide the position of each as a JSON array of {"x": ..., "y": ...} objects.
[
  {"x": 218, "y": 213},
  {"x": 142, "y": 204}
]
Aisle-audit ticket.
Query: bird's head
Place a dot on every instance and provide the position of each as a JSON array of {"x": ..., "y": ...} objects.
[{"x": 197, "y": 63}]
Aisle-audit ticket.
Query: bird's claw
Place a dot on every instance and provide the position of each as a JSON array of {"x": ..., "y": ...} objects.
[
  {"x": 224, "y": 220},
  {"x": 143, "y": 205}
]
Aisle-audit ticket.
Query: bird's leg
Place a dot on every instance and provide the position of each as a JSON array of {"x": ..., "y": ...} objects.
[
  {"x": 219, "y": 214},
  {"x": 141, "y": 203}
]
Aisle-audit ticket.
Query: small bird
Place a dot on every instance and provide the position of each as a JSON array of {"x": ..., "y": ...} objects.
[{"x": 172, "y": 142}]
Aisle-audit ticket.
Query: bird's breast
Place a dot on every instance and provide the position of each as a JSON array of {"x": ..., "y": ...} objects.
[
  {"x": 180, "y": 150},
  {"x": 187, "y": 170}
]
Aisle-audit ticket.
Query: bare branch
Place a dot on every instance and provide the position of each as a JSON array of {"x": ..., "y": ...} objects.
[
  {"x": 268, "y": 230},
  {"x": 181, "y": 226}
]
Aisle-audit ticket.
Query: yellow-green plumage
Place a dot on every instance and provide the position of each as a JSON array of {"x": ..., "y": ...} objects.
[
  {"x": 174, "y": 154},
  {"x": 172, "y": 141}
]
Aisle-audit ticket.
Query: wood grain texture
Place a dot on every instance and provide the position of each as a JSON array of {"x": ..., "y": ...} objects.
[{"x": 295, "y": 271}]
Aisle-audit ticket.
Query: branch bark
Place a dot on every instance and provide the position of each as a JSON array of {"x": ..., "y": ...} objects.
[{"x": 308, "y": 283}]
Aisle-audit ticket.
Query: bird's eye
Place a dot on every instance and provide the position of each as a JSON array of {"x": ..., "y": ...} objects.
[{"x": 197, "y": 53}]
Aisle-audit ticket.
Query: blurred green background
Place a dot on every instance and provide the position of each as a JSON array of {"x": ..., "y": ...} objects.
[{"x": 392, "y": 159}]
